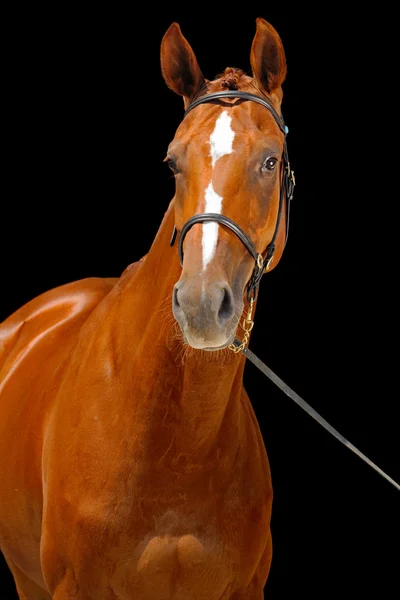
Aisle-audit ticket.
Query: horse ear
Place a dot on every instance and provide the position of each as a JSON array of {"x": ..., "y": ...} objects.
[
  {"x": 267, "y": 57},
  {"x": 179, "y": 65}
]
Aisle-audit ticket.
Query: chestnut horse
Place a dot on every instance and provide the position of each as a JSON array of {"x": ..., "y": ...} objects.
[{"x": 132, "y": 464}]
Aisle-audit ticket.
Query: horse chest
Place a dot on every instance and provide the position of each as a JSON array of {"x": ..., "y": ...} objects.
[
  {"x": 204, "y": 538},
  {"x": 175, "y": 540}
]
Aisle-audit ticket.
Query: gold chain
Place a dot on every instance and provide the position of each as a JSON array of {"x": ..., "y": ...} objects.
[{"x": 247, "y": 325}]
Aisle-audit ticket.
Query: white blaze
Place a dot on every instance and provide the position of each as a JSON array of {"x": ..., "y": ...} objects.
[
  {"x": 221, "y": 141},
  {"x": 210, "y": 230}
]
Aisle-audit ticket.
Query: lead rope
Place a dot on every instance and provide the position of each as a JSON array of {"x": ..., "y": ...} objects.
[{"x": 241, "y": 347}]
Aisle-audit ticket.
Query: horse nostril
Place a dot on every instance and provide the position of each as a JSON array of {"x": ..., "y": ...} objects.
[
  {"x": 176, "y": 301},
  {"x": 227, "y": 308}
]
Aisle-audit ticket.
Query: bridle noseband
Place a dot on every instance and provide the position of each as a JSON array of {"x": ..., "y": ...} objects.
[{"x": 262, "y": 261}]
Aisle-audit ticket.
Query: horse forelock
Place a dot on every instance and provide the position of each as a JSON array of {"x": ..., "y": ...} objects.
[{"x": 231, "y": 79}]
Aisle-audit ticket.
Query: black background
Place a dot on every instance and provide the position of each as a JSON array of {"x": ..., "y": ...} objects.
[{"x": 88, "y": 122}]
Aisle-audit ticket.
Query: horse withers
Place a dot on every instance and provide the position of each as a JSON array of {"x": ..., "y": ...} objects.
[{"x": 132, "y": 464}]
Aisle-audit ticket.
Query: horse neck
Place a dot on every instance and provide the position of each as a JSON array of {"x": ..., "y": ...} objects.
[{"x": 202, "y": 390}]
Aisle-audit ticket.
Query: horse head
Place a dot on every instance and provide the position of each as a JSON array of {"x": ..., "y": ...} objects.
[{"x": 232, "y": 174}]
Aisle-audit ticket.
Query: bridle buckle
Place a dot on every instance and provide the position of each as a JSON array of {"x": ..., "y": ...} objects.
[{"x": 269, "y": 261}]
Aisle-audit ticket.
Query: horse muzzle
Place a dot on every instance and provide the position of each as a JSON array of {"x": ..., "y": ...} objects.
[{"x": 207, "y": 315}]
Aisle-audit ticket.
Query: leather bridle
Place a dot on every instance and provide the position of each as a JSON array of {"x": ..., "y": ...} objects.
[{"x": 262, "y": 261}]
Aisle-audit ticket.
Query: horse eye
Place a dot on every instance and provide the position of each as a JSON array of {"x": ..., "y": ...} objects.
[
  {"x": 172, "y": 165},
  {"x": 269, "y": 164}
]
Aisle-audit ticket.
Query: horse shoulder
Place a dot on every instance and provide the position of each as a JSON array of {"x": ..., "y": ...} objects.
[
  {"x": 34, "y": 344},
  {"x": 47, "y": 316}
]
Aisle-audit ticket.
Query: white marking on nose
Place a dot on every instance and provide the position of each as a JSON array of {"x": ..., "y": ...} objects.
[
  {"x": 210, "y": 230},
  {"x": 221, "y": 141}
]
